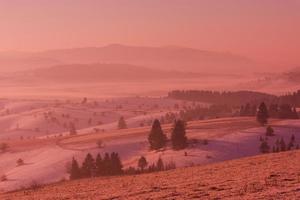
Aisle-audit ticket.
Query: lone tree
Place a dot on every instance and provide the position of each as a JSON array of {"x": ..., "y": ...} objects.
[
  {"x": 262, "y": 114},
  {"x": 122, "y": 123},
  {"x": 75, "y": 170},
  {"x": 178, "y": 137},
  {"x": 142, "y": 164},
  {"x": 157, "y": 138},
  {"x": 20, "y": 162}
]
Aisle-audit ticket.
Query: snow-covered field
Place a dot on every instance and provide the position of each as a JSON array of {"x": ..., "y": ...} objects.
[{"x": 48, "y": 153}]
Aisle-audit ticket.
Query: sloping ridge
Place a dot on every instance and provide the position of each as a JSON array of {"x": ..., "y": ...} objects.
[{"x": 270, "y": 176}]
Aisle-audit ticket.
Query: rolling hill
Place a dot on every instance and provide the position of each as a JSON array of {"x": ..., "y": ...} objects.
[{"x": 271, "y": 176}]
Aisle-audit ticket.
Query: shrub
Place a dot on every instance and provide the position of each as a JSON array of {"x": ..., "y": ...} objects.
[
  {"x": 20, "y": 162},
  {"x": 3, "y": 178},
  {"x": 270, "y": 131}
]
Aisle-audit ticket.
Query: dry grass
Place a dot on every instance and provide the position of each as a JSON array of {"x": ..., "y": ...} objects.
[{"x": 272, "y": 176}]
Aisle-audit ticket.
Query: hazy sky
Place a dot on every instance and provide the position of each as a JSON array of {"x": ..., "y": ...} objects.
[{"x": 266, "y": 30}]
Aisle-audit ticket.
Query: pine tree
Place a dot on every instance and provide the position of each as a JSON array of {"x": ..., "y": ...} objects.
[
  {"x": 178, "y": 137},
  {"x": 122, "y": 123},
  {"x": 264, "y": 147},
  {"x": 88, "y": 166},
  {"x": 116, "y": 164},
  {"x": 75, "y": 170},
  {"x": 142, "y": 163},
  {"x": 99, "y": 165},
  {"x": 157, "y": 138},
  {"x": 282, "y": 145},
  {"x": 107, "y": 165},
  {"x": 262, "y": 114},
  {"x": 160, "y": 164}
]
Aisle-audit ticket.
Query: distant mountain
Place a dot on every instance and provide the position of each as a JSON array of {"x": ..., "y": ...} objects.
[
  {"x": 165, "y": 58},
  {"x": 98, "y": 73},
  {"x": 169, "y": 57},
  {"x": 16, "y": 61}
]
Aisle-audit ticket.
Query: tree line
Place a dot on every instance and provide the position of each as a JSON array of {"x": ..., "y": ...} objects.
[
  {"x": 108, "y": 166},
  {"x": 236, "y": 98},
  {"x": 111, "y": 165},
  {"x": 283, "y": 111},
  {"x": 229, "y": 98}
]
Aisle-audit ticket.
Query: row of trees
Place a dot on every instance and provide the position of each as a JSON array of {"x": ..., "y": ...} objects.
[
  {"x": 280, "y": 145},
  {"x": 157, "y": 139},
  {"x": 108, "y": 166},
  {"x": 283, "y": 111},
  {"x": 200, "y": 112},
  {"x": 144, "y": 167},
  {"x": 111, "y": 165},
  {"x": 229, "y": 98},
  {"x": 236, "y": 98}
]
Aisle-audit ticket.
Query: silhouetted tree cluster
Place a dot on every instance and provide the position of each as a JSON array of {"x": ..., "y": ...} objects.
[
  {"x": 229, "y": 98},
  {"x": 236, "y": 98},
  {"x": 290, "y": 98},
  {"x": 200, "y": 112},
  {"x": 144, "y": 167},
  {"x": 108, "y": 166},
  {"x": 283, "y": 111},
  {"x": 248, "y": 110},
  {"x": 279, "y": 146}
]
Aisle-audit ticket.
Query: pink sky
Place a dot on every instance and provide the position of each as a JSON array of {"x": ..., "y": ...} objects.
[{"x": 265, "y": 30}]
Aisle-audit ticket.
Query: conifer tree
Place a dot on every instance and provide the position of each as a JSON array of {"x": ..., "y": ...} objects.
[
  {"x": 88, "y": 166},
  {"x": 99, "y": 165},
  {"x": 264, "y": 147},
  {"x": 122, "y": 123},
  {"x": 157, "y": 139},
  {"x": 262, "y": 114},
  {"x": 160, "y": 164},
  {"x": 107, "y": 165},
  {"x": 142, "y": 163},
  {"x": 178, "y": 137},
  {"x": 75, "y": 170},
  {"x": 115, "y": 164},
  {"x": 282, "y": 145}
]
